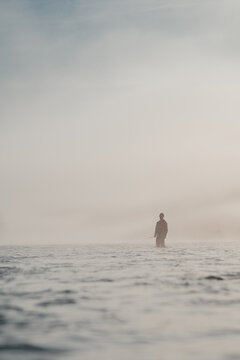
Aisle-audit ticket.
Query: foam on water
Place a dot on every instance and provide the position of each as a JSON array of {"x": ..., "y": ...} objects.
[{"x": 106, "y": 302}]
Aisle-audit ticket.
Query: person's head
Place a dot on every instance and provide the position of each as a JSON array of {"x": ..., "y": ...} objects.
[{"x": 161, "y": 216}]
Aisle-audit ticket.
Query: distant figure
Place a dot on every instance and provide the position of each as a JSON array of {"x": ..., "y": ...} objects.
[{"x": 161, "y": 231}]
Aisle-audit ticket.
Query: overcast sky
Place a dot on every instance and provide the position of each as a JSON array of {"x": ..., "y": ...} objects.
[{"x": 113, "y": 111}]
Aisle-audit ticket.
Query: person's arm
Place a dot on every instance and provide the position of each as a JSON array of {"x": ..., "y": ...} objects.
[
  {"x": 155, "y": 232},
  {"x": 166, "y": 227}
]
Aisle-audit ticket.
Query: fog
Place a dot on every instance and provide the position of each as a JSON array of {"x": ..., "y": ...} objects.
[{"x": 112, "y": 112}]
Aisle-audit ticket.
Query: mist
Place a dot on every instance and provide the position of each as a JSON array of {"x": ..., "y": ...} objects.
[{"x": 112, "y": 112}]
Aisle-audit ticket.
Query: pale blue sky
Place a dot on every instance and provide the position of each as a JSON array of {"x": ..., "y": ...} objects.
[{"x": 112, "y": 111}]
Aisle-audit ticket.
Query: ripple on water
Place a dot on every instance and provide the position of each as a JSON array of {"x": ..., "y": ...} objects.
[
  {"x": 6, "y": 307},
  {"x": 29, "y": 348},
  {"x": 3, "y": 320},
  {"x": 8, "y": 270},
  {"x": 233, "y": 276},
  {"x": 55, "y": 302},
  {"x": 213, "y": 277}
]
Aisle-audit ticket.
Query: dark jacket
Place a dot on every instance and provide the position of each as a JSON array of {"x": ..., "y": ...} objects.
[{"x": 161, "y": 228}]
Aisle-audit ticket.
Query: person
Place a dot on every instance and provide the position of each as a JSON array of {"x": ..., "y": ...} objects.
[{"x": 161, "y": 231}]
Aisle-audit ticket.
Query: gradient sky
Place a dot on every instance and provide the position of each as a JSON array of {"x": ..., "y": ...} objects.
[{"x": 112, "y": 111}]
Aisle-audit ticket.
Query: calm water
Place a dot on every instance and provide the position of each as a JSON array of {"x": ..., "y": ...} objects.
[{"x": 111, "y": 302}]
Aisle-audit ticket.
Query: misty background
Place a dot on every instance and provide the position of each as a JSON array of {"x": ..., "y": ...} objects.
[{"x": 115, "y": 111}]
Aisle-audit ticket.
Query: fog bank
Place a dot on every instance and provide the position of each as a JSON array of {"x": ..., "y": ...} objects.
[{"x": 113, "y": 112}]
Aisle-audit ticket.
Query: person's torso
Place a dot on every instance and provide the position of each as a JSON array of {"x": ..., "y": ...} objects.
[{"x": 161, "y": 226}]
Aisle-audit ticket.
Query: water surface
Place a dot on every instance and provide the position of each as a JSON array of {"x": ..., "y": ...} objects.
[{"x": 114, "y": 301}]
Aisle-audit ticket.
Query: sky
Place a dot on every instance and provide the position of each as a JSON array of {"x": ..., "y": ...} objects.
[{"x": 114, "y": 111}]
